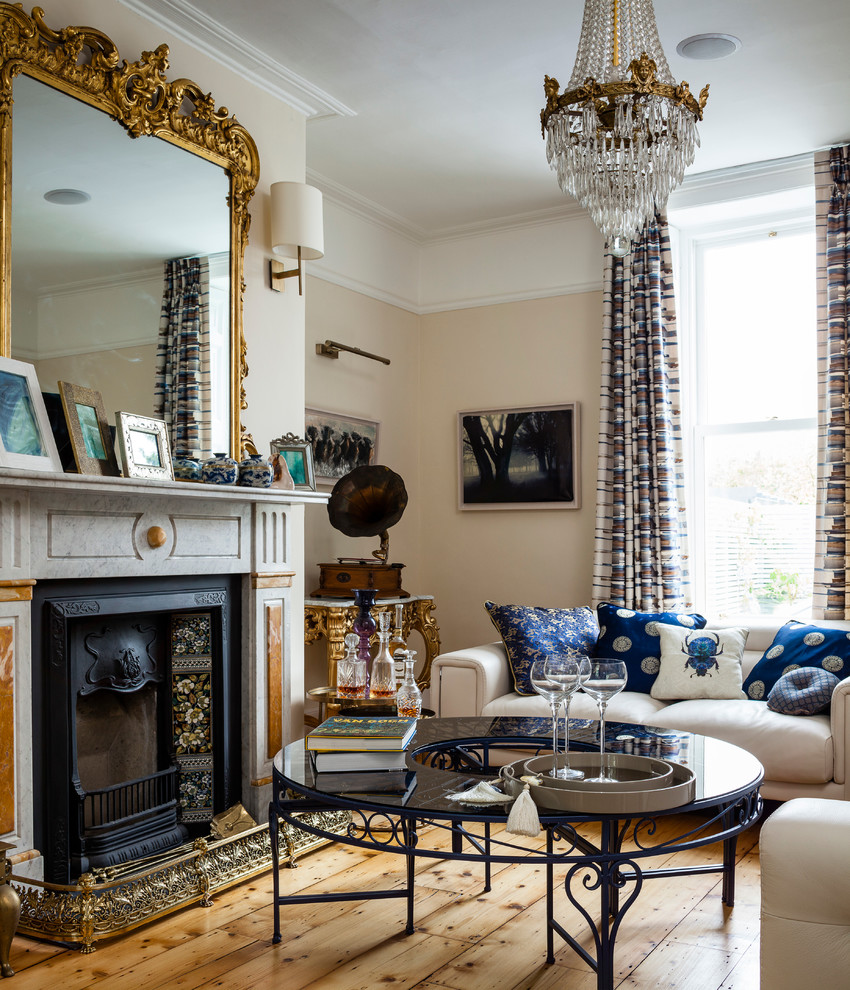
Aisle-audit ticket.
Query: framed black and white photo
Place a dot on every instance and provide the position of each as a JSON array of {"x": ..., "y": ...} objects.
[
  {"x": 143, "y": 443},
  {"x": 524, "y": 457},
  {"x": 91, "y": 439},
  {"x": 340, "y": 443},
  {"x": 297, "y": 453},
  {"x": 26, "y": 440}
]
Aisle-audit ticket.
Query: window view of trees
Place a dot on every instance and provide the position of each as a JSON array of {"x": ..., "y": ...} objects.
[{"x": 518, "y": 456}]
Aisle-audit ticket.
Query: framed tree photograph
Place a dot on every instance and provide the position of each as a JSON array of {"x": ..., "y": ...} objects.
[
  {"x": 340, "y": 443},
  {"x": 524, "y": 457},
  {"x": 297, "y": 454},
  {"x": 91, "y": 438},
  {"x": 26, "y": 440},
  {"x": 143, "y": 443}
]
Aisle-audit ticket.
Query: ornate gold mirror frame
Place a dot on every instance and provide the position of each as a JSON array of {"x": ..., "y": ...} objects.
[{"x": 84, "y": 63}]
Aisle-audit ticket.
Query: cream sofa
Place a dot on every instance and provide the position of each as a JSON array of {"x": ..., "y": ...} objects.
[
  {"x": 803, "y": 756},
  {"x": 804, "y": 850}
]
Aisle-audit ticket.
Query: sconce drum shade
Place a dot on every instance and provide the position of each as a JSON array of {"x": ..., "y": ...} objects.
[
  {"x": 297, "y": 221},
  {"x": 367, "y": 501}
]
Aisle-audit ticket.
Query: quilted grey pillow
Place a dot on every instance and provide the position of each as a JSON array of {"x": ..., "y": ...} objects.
[{"x": 804, "y": 691}]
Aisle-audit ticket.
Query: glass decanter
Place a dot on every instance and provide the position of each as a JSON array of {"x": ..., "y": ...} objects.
[
  {"x": 408, "y": 699},
  {"x": 397, "y": 643},
  {"x": 351, "y": 671},
  {"x": 364, "y": 626},
  {"x": 382, "y": 681}
]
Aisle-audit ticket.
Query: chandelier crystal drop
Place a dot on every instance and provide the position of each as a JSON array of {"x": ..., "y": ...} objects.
[{"x": 621, "y": 135}]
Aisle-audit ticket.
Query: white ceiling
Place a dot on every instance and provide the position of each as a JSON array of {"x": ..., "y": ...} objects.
[{"x": 427, "y": 111}]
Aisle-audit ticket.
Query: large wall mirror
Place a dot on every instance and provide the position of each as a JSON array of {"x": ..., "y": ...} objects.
[{"x": 98, "y": 222}]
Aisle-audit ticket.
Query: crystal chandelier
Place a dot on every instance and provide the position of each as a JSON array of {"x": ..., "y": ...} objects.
[{"x": 623, "y": 132}]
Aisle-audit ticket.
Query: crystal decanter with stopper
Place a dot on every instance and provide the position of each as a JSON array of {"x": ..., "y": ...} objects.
[
  {"x": 382, "y": 683},
  {"x": 397, "y": 643},
  {"x": 351, "y": 671},
  {"x": 408, "y": 699}
]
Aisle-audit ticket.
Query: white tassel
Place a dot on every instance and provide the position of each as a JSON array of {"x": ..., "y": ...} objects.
[
  {"x": 523, "y": 819},
  {"x": 482, "y": 793}
]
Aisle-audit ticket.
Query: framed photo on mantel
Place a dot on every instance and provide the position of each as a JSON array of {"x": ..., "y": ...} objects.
[
  {"x": 91, "y": 438},
  {"x": 26, "y": 440},
  {"x": 524, "y": 457}
]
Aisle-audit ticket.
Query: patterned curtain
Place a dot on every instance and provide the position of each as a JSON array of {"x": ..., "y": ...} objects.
[
  {"x": 182, "y": 393},
  {"x": 640, "y": 551},
  {"x": 832, "y": 589}
]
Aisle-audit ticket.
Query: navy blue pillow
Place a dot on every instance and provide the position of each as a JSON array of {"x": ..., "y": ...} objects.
[
  {"x": 531, "y": 633},
  {"x": 633, "y": 638},
  {"x": 804, "y": 691},
  {"x": 799, "y": 644}
]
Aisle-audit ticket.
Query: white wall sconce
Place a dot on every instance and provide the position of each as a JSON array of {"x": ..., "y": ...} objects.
[{"x": 297, "y": 229}]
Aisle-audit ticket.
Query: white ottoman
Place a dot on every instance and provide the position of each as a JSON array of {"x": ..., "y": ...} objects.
[{"x": 805, "y": 896}]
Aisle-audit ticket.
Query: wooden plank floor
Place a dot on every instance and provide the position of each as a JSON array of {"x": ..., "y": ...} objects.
[{"x": 677, "y": 935}]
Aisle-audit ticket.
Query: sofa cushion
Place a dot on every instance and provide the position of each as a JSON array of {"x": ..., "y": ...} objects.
[
  {"x": 633, "y": 637},
  {"x": 803, "y": 755},
  {"x": 700, "y": 663},
  {"x": 804, "y": 691},
  {"x": 799, "y": 644},
  {"x": 532, "y": 633}
]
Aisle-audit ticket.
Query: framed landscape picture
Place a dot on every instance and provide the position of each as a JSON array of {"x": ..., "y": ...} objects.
[
  {"x": 340, "y": 443},
  {"x": 91, "y": 439},
  {"x": 524, "y": 457},
  {"x": 143, "y": 443},
  {"x": 26, "y": 440}
]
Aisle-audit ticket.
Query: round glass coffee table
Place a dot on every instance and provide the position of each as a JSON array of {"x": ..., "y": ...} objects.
[{"x": 389, "y": 811}]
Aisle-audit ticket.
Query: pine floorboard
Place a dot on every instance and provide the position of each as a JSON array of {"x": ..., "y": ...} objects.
[{"x": 677, "y": 934}]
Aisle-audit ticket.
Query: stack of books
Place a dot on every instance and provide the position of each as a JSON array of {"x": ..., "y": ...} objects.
[{"x": 357, "y": 744}]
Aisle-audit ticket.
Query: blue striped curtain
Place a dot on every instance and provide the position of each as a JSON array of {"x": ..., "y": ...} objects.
[
  {"x": 832, "y": 175},
  {"x": 640, "y": 552},
  {"x": 182, "y": 393}
]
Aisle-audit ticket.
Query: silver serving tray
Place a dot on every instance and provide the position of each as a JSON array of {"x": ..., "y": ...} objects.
[{"x": 678, "y": 787}]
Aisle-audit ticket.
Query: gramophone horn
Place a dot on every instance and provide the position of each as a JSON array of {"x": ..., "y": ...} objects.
[{"x": 367, "y": 502}]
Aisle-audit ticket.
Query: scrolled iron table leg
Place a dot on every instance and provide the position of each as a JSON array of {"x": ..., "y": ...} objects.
[{"x": 275, "y": 843}]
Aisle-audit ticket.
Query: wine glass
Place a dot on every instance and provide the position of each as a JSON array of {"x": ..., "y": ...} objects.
[
  {"x": 569, "y": 670},
  {"x": 550, "y": 690},
  {"x": 607, "y": 678}
]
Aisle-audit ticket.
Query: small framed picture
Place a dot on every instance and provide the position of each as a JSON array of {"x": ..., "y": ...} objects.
[
  {"x": 91, "y": 439},
  {"x": 143, "y": 443},
  {"x": 340, "y": 443},
  {"x": 524, "y": 457},
  {"x": 26, "y": 440},
  {"x": 298, "y": 455}
]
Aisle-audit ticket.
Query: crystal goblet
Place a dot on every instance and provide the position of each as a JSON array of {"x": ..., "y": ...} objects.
[
  {"x": 607, "y": 678},
  {"x": 553, "y": 693}
]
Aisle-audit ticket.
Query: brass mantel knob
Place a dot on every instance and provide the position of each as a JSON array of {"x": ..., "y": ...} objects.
[{"x": 156, "y": 536}]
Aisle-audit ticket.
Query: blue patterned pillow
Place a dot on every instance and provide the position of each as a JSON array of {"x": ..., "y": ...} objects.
[
  {"x": 799, "y": 644},
  {"x": 804, "y": 691},
  {"x": 531, "y": 633},
  {"x": 633, "y": 638}
]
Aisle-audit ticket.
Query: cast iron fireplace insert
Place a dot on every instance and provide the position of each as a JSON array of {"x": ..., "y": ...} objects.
[{"x": 136, "y": 716}]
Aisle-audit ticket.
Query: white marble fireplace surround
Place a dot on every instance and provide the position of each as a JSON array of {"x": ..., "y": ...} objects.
[{"x": 61, "y": 526}]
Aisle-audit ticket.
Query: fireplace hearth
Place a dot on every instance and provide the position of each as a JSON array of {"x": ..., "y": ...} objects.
[{"x": 136, "y": 715}]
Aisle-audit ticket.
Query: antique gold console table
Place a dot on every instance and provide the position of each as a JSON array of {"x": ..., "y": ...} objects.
[{"x": 331, "y": 619}]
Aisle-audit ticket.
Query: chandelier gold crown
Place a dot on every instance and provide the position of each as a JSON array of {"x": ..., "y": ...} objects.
[{"x": 621, "y": 135}]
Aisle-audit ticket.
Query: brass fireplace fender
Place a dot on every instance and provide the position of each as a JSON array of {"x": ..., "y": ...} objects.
[{"x": 95, "y": 909}]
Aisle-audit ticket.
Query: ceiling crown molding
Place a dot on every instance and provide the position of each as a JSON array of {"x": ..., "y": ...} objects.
[{"x": 194, "y": 27}]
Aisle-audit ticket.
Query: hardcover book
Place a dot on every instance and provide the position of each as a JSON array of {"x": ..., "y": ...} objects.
[
  {"x": 344, "y": 732},
  {"x": 353, "y": 759}
]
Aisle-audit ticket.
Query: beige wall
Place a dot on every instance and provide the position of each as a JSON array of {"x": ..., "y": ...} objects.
[
  {"x": 526, "y": 353},
  {"x": 534, "y": 352},
  {"x": 367, "y": 389}
]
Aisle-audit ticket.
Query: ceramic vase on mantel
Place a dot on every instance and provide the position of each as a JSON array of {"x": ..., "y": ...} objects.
[
  {"x": 364, "y": 626},
  {"x": 255, "y": 472},
  {"x": 220, "y": 470}
]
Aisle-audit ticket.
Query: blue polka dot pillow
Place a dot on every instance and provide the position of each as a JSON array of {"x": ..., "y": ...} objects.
[
  {"x": 531, "y": 633},
  {"x": 804, "y": 691},
  {"x": 799, "y": 644},
  {"x": 633, "y": 638}
]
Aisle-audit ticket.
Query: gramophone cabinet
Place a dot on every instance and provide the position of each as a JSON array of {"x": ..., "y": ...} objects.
[{"x": 338, "y": 580}]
